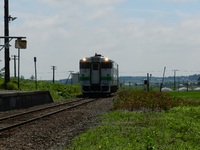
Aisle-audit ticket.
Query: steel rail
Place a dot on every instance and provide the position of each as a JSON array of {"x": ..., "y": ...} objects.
[
  {"x": 43, "y": 116},
  {"x": 32, "y": 111}
]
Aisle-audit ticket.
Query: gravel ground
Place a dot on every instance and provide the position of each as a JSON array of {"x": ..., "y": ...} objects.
[{"x": 55, "y": 132}]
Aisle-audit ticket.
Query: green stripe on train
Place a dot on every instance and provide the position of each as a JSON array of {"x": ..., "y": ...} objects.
[{"x": 84, "y": 78}]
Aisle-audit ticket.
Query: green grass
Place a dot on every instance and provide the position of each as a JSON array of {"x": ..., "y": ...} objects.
[
  {"x": 191, "y": 95},
  {"x": 174, "y": 128},
  {"x": 177, "y": 129}
]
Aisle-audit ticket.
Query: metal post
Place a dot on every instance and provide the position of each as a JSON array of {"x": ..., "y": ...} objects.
[
  {"x": 15, "y": 75},
  {"x": 6, "y": 42},
  {"x": 15, "y": 58},
  {"x": 174, "y": 80},
  {"x": 35, "y": 72},
  {"x": 18, "y": 67},
  {"x": 53, "y": 67},
  {"x": 53, "y": 74}
]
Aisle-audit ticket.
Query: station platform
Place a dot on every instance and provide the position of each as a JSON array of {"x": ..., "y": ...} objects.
[{"x": 10, "y": 100}]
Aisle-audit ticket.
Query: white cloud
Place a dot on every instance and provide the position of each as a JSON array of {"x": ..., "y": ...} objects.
[
  {"x": 191, "y": 24},
  {"x": 99, "y": 13}
]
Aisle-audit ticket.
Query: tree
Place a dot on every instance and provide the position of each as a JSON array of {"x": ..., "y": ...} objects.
[{"x": 32, "y": 77}]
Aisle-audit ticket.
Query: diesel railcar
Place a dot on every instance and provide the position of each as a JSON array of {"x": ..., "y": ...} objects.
[{"x": 98, "y": 75}]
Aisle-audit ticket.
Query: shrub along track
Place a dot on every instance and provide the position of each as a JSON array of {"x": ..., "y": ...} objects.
[{"x": 55, "y": 131}]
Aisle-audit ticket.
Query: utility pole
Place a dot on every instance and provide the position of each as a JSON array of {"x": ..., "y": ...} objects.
[
  {"x": 6, "y": 42},
  {"x": 147, "y": 82},
  {"x": 174, "y": 79},
  {"x": 53, "y": 68},
  {"x": 161, "y": 84},
  {"x": 14, "y": 58}
]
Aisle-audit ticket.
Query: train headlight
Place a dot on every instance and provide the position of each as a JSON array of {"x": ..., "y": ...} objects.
[
  {"x": 84, "y": 59},
  {"x": 106, "y": 59}
]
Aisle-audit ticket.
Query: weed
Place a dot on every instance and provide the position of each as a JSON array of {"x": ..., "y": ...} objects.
[
  {"x": 176, "y": 129},
  {"x": 143, "y": 100}
]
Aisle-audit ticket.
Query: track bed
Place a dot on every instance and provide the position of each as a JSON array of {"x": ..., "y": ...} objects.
[{"x": 56, "y": 131}]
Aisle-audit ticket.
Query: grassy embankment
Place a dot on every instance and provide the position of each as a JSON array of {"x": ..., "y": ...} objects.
[
  {"x": 146, "y": 121},
  {"x": 58, "y": 91}
]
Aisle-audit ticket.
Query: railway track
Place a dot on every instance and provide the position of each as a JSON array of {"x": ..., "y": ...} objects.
[{"x": 16, "y": 120}]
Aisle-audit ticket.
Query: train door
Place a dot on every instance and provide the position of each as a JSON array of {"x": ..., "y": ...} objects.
[{"x": 95, "y": 73}]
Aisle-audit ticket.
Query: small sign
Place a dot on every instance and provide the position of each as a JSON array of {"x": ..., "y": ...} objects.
[{"x": 21, "y": 44}]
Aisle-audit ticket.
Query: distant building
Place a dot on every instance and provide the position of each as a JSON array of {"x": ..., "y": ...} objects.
[{"x": 75, "y": 78}]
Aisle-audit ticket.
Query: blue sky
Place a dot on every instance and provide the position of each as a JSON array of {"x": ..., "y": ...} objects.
[{"x": 142, "y": 36}]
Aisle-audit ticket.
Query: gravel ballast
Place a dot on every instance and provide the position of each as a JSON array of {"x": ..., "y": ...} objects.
[{"x": 57, "y": 131}]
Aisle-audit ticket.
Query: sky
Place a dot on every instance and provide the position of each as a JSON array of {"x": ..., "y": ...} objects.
[{"x": 142, "y": 36}]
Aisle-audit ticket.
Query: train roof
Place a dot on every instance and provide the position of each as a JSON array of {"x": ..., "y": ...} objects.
[{"x": 95, "y": 57}]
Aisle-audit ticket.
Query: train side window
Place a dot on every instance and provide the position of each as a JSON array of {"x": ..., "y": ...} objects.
[
  {"x": 84, "y": 65},
  {"x": 106, "y": 65}
]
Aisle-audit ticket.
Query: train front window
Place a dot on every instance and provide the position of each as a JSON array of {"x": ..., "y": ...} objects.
[
  {"x": 84, "y": 65},
  {"x": 95, "y": 66},
  {"x": 106, "y": 65}
]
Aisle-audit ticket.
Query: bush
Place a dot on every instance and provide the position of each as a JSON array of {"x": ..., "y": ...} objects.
[
  {"x": 134, "y": 100},
  {"x": 9, "y": 86}
]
